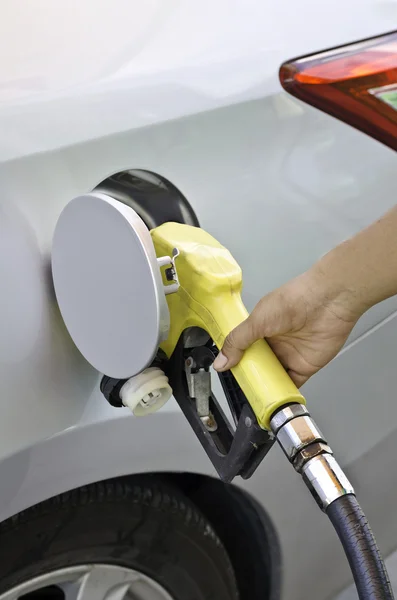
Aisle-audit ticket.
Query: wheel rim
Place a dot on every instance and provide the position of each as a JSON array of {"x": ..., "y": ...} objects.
[{"x": 90, "y": 582}]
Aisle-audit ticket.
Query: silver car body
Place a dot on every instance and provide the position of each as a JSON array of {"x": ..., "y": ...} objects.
[{"x": 189, "y": 91}]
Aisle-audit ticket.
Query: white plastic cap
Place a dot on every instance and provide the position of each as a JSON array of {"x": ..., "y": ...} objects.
[{"x": 147, "y": 392}]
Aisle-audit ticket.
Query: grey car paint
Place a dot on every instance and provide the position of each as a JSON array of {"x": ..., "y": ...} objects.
[{"x": 275, "y": 181}]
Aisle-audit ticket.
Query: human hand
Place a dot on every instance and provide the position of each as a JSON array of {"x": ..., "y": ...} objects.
[{"x": 306, "y": 322}]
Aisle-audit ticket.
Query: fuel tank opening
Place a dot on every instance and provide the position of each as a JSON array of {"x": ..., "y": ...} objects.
[{"x": 154, "y": 198}]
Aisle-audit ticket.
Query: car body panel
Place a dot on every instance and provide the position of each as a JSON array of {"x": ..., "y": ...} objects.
[{"x": 187, "y": 90}]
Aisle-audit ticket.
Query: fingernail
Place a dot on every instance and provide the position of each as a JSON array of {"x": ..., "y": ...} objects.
[{"x": 220, "y": 362}]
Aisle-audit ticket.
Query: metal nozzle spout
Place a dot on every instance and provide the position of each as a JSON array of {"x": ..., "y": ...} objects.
[{"x": 308, "y": 451}]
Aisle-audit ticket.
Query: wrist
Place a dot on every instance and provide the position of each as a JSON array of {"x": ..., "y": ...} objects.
[{"x": 335, "y": 286}]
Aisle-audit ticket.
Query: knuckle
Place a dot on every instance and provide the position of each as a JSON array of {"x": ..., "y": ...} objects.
[
  {"x": 255, "y": 325},
  {"x": 230, "y": 341}
]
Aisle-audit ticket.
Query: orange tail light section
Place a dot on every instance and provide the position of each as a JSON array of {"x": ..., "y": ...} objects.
[{"x": 356, "y": 84}]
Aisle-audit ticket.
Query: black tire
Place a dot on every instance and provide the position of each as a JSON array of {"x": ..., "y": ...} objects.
[{"x": 140, "y": 523}]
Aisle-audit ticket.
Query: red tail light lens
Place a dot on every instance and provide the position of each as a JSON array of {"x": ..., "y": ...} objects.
[{"x": 356, "y": 84}]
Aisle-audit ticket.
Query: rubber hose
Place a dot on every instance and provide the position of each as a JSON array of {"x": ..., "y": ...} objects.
[{"x": 369, "y": 570}]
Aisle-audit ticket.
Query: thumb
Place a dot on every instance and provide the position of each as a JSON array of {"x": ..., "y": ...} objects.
[{"x": 236, "y": 342}]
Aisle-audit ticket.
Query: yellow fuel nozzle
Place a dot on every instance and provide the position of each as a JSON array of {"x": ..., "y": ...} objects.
[{"x": 209, "y": 297}]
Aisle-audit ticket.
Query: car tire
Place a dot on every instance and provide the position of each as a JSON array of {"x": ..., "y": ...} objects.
[{"x": 139, "y": 523}]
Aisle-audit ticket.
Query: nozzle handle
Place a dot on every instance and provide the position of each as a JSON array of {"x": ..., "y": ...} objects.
[
  {"x": 209, "y": 297},
  {"x": 260, "y": 374}
]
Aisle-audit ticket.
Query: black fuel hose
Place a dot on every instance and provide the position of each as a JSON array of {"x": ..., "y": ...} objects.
[
  {"x": 366, "y": 563},
  {"x": 307, "y": 449}
]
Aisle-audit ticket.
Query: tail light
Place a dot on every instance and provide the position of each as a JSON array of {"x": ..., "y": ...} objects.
[{"x": 356, "y": 84}]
